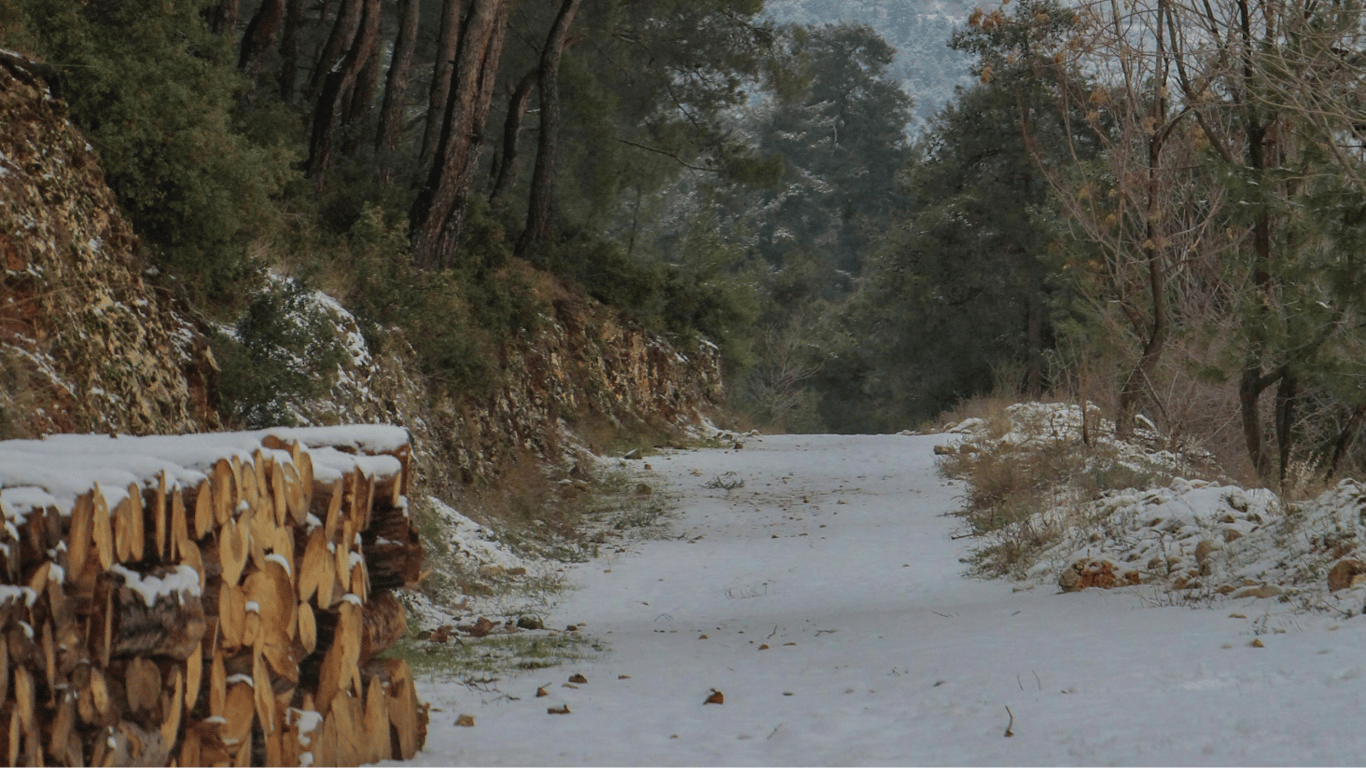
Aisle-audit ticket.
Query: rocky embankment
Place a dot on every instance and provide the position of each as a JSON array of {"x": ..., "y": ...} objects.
[
  {"x": 91, "y": 339},
  {"x": 87, "y": 342}
]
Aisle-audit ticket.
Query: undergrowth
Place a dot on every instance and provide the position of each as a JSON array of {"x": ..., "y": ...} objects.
[{"x": 1026, "y": 479}]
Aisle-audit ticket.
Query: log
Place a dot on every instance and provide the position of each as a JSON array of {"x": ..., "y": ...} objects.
[
  {"x": 160, "y": 520},
  {"x": 179, "y": 528},
  {"x": 194, "y": 673},
  {"x": 376, "y": 740},
  {"x": 203, "y": 509},
  {"x": 80, "y": 538},
  {"x": 392, "y": 550},
  {"x": 142, "y": 681},
  {"x": 383, "y": 623},
  {"x": 102, "y": 529},
  {"x": 128, "y": 743},
  {"x": 280, "y": 585},
  {"x": 339, "y": 673},
  {"x": 144, "y": 615},
  {"x": 407, "y": 718},
  {"x": 233, "y": 550},
  {"x": 224, "y": 497}
]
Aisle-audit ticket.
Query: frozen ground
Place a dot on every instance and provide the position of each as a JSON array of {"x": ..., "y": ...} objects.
[{"x": 836, "y": 553}]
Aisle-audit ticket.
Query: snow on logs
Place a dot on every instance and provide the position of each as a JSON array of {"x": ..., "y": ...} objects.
[{"x": 206, "y": 599}]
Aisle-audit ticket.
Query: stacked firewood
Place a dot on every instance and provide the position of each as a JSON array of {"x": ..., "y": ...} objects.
[{"x": 206, "y": 599}]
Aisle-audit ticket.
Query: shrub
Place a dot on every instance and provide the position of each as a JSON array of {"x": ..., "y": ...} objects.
[
  {"x": 155, "y": 93},
  {"x": 283, "y": 350}
]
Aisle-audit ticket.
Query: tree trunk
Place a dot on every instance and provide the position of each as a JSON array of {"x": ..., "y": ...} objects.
[
  {"x": 1033, "y": 339},
  {"x": 1344, "y": 441},
  {"x": 337, "y": 87},
  {"x": 359, "y": 101},
  {"x": 396, "y": 88},
  {"x": 223, "y": 18},
  {"x": 260, "y": 36},
  {"x": 1249, "y": 393},
  {"x": 505, "y": 170},
  {"x": 537, "y": 230},
  {"x": 1287, "y": 396},
  {"x": 289, "y": 48},
  {"x": 437, "y": 216},
  {"x": 443, "y": 70},
  {"x": 339, "y": 43}
]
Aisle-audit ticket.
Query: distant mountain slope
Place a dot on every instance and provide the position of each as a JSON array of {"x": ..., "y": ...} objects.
[{"x": 918, "y": 29}]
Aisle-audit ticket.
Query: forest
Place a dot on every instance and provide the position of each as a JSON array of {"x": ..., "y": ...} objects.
[{"x": 1158, "y": 206}]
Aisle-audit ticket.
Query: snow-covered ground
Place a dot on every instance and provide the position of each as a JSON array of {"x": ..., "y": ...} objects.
[{"x": 837, "y": 555}]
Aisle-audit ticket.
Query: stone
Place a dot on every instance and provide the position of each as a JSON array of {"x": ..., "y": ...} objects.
[
  {"x": 530, "y": 622},
  {"x": 1232, "y": 534},
  {"x": 945, "y": 450},
  {"x": 1346, "y": 573}
]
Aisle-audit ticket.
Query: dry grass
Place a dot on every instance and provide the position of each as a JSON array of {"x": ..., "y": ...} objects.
[{"x": 1020, "y": 497}]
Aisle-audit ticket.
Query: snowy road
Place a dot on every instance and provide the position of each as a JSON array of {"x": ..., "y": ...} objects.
[{"x": 837, "y": 555}]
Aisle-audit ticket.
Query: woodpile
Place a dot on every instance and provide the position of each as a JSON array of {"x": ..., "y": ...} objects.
[{"x": 206, "y": 599}]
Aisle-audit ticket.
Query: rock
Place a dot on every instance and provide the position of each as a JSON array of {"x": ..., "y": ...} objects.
[
  {"x": 945, "y": 450},
  {"x": 1232, "y": 534},
  {"x": 1347, "y": 573},
  {"x": 530, "y": 622},
  {"x": 1071, "y": 577},
  {"x": 465, "y": 721},
  {"x": 644, "y": 490},
  {"x": 1203, "y": 550}
]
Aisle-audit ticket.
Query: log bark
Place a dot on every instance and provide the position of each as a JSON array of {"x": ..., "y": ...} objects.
[{"x": 171, "y": 626}]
